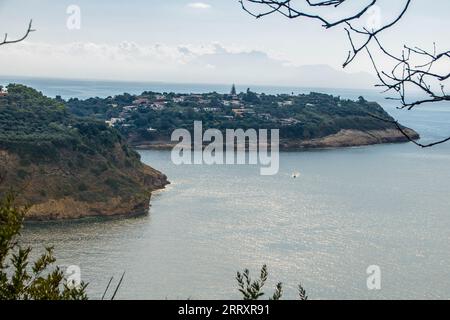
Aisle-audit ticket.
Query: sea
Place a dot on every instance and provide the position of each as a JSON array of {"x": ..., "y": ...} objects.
[{"x": 350, "y": 212}]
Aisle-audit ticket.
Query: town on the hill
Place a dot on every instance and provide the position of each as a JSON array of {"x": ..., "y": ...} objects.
[{"x": 153, "y": 116}]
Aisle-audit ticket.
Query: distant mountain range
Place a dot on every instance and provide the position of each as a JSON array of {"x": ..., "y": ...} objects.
[{"x": 213, "y": 64}]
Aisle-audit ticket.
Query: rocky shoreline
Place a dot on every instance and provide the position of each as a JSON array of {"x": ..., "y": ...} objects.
[
  {"x": 69, "y": 208},
  {"x": 342, "y": 139},
  {"x": 55, "y": 191},
  {"x": 67, "y": 167}
]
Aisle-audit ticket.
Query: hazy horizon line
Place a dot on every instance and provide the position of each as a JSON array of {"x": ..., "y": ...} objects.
[{"x": 237, "y": 84}]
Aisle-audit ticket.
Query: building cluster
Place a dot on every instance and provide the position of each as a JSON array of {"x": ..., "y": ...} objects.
[{"x": 213, "y": 102}]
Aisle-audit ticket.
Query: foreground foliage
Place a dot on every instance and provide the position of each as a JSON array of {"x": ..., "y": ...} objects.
[
  {"x": 21, "y": 279},
  {"x": 253, "y": 290}
]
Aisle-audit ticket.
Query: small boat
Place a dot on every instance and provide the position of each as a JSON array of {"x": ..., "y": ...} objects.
[{"x": 295, "y": 174}]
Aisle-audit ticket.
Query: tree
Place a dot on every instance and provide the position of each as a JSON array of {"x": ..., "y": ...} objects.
[
  {"x": 412, "y": 68},
  {"x": 233, "y": 90},
  {"x": 250, "y": 97}
]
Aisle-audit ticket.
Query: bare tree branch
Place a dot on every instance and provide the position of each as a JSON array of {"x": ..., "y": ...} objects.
[
  {"x": 403, "y": 131},
  {"x": 413, "y": 68},
  {"x": 286, "y": 8},
  {"x": 407, "y": 72},
  {"x": 27, "y": 33}
]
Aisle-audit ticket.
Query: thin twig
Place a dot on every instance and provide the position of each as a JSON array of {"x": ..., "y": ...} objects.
[
  {"x": 118, "y": 286},
  {"x": 107, "y": 287},
  {"x": 29, "y": 30},
  {"x": 407, "y": 136}
]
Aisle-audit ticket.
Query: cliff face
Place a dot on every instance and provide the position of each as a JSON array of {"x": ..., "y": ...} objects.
[
  {"x": 351, "y": 138},
  {"x": 344, "y": 138},
  {"x": 92, "y": 186},
  {"x": 64, "y": 167}
]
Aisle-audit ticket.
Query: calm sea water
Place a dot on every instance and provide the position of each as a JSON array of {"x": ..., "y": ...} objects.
[{"x": 386, "y": 205}]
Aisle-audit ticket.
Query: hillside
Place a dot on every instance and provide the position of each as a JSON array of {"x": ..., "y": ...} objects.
[
  {"x": 68, "y": 167},
  {"x": 312, "y": 120}
]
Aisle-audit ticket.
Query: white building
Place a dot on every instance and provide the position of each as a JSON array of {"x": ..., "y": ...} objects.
[
  {"x": 286, "y": 103},
  {"x": 129, "y": 108},
  {"x": 158, "y": 106},
  {"x": 178, "y": 99},
  {"x": 114, "y": 121},
  {"x": 4, "y": 91},
  {"x": 208, "y": 109}
]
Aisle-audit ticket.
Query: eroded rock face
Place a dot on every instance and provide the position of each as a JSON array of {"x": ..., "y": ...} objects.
[
  {"x": 69, "y": 208},
  {"x": 351, "y": 138},
  {"x": 59, "y": 190}
]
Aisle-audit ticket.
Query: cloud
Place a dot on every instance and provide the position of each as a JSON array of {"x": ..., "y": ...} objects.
[
  {"x": 199, "y": 5},
  {"x": 204, "y": 63}
]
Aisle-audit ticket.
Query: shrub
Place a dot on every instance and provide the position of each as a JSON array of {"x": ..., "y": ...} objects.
[
  {"x": 17, "y": 280},
  {"x": 253, "y": 290}
]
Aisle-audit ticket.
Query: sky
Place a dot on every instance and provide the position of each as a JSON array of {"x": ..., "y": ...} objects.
[{"x": 209, "y": 41}]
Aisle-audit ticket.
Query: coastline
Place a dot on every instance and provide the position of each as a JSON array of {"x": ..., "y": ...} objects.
[
  {"x": 41, "y": 191},
  {"x": 343, "y": 139},
  {"x": 77, "y": 210},
  {"x": 117, "y": 207},
  {"x": 68, "y": 208}
]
